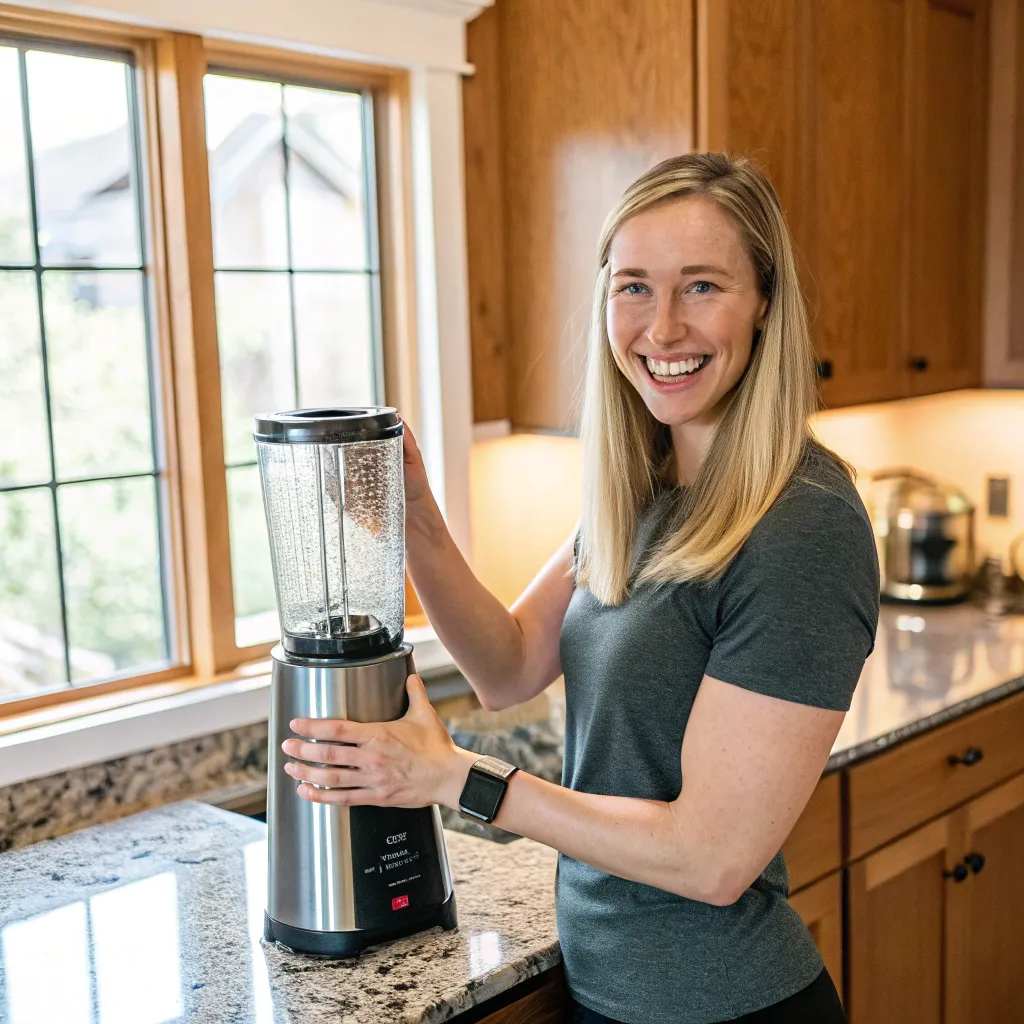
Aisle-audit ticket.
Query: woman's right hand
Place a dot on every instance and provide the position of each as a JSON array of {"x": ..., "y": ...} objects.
[{"x": 417, "y": 487}]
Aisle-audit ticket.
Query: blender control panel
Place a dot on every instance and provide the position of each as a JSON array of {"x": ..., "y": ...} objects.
[{"x": 396, "y": 864}]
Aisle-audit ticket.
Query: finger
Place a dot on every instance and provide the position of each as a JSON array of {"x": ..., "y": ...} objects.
[
  {"x": 331, "y": 777},
  {"x": 418, "y": 699},
  {"x": 335, "y": 730},
  {"x": 325, "y": 753},
  {"x": 338, "y": 797}
]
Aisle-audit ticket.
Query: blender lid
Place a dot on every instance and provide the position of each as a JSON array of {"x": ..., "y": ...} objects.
[{"x": 328, "y": 426}]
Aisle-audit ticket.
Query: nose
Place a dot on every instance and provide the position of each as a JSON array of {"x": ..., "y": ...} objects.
[{"x": 668, "y": 326}]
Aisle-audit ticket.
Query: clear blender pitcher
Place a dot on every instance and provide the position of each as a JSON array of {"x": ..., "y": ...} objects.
[{"x": 335, "y": 504}]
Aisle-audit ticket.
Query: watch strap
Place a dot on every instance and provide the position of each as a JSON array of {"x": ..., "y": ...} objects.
[{"x": 482, "y": 803}]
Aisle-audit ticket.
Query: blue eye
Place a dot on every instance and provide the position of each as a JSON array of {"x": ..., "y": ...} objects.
[
  {"x": 628, "y": 290},
  {"x": 702, "y": 287}
]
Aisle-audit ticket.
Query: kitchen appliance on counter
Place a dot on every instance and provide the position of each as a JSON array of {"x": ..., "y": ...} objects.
[
  {"x": 924, "y": 530},
  {"x": 341, "y": 878}
]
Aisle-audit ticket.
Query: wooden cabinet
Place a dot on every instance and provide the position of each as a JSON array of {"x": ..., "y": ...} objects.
[
  {"x": 814, "y": 847},
  {"x": 897, "y": 910},
  {"x": 821, "y": 907},
  {"x": 541, "y": 1000},
  {"x": 947, "y": 67},
  {"x": 1004, "y": 243},
  {"x": 935, "y": 919},
  {"x": 870, "y": 120},
  {"x": 989, "y": 978}
]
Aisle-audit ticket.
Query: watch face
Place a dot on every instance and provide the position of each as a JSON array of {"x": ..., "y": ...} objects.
[{"x": 482, "y": 795}]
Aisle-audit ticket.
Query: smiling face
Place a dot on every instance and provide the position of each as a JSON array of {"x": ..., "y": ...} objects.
[{"x": 683, "y": 305}]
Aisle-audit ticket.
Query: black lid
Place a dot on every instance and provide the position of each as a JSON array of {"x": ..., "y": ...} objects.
[{"x": 328, "y": 426}]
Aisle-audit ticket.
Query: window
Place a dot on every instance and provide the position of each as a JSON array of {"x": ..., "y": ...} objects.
[
  {"x": 139, "y": 252},
  {"x": 297, "y": 284},
  {"x": 82, "y": 481}
]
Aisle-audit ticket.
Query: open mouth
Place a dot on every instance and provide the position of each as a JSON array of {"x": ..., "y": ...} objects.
[{"x": 671, "y": 371}]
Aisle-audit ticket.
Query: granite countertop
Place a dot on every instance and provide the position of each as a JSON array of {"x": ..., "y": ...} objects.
[
  {"x": 929, "y": 666},
  {"x": 159, "y": 917}
]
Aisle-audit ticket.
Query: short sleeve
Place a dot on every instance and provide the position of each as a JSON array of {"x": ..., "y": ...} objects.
[{"x": 798, "y": 608}]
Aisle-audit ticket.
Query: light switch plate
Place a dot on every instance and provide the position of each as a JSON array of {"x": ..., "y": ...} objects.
[{"x": 998, "y": 496}]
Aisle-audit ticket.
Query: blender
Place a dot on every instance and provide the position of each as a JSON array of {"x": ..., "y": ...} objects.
[{"x": 341, "y": 878}]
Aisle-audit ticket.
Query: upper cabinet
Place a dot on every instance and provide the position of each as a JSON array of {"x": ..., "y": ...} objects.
[
  {"x": 869, "y": 118},
  {"x": 584, "y": 98},
  {"x": 1004, "y": 243}
]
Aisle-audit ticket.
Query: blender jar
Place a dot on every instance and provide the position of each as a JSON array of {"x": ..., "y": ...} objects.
[{"x": 335, "y": 502}]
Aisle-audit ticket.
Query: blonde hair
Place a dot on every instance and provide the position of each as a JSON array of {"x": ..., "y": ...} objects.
[{"x": 762, "y": 434}]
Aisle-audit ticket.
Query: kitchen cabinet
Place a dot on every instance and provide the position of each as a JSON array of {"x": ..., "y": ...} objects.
[
  {"x": 897, "y": 909},
  {"x": 934, "y": 919},
  {"x": 870, "y": 120},
  {"x": 583, "y": 97},
  {"x": 545, "y": 1001},
  {"x": 1004, "y": 242},
  {"x": 821, "y": 907}
]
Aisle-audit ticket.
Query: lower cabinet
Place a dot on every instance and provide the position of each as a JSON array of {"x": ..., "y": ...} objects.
[
  {"x": 936, "y": 919},
  {"x": 546, "y": 1003},
  {"x": 821, "y": 907}
]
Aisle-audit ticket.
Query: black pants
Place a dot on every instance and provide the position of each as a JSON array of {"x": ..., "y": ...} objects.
[{"x": 816, "y": 1004}]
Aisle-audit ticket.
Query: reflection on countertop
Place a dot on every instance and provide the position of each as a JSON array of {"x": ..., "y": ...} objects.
[
  {"x": 159, "y": 917},
  {"x": 929, "y": 665}
]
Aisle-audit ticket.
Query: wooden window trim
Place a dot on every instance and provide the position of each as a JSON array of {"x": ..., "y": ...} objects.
[{"x": 171, "y": 66}]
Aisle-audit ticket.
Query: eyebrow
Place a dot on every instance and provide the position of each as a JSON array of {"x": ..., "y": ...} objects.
[{"x": 692, "y": 268}]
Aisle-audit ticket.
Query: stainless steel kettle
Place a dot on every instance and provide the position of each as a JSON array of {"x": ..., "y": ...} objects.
[{"x": 924, "y": 530}]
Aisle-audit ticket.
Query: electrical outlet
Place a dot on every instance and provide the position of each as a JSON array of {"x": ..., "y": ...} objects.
[{"x": 998, "y": 496}]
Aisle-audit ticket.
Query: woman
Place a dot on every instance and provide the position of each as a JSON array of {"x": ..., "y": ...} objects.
[{"x": 711, "y": 617}]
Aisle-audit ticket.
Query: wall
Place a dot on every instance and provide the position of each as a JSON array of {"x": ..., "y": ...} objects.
[{"x": 525, "y": 489}]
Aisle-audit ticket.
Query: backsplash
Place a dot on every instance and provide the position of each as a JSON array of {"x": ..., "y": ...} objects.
[
  {"x": 526, "y": 488},
  {"x": 212, "y": 767},
  {"x": 961, "y": 437}
]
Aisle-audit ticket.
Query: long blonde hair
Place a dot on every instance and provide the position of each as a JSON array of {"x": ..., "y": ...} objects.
[{"x": 761, "y": 436}]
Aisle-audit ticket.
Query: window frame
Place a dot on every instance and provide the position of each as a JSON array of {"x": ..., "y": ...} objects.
[{"x": 174, "y": 177}]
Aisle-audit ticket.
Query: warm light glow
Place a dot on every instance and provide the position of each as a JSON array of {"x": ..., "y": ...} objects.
[{"x": 524, "y": 502}]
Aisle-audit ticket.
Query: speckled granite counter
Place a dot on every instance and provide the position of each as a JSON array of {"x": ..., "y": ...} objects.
[
  {"x": 159, "y": 917},
  {"x": 929, "y": 666}
]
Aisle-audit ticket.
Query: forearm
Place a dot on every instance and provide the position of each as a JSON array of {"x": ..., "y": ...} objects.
[
  {"x": 475, "y": 627},
  {"x": 642, "y": 840}
]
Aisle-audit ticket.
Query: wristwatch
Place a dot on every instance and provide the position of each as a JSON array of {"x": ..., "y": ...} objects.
[{"x": 485, "y": 788}]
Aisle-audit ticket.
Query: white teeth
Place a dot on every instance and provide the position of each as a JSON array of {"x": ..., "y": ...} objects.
[{"x": 669, "y": 369}]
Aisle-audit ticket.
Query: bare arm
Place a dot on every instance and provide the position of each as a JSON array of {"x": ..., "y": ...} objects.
[
  {"x": 508, "y": 655},
  {"x": 749, "y": 765}
]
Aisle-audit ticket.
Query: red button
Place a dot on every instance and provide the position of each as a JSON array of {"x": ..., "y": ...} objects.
[{"x": 399, "y": 901}]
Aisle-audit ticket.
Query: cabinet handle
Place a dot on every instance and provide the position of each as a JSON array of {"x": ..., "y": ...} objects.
[
  {"x": 919, "y": 364},
  {"x": 958, "y": 874},
  {"x": 970, "y": 757},
  {"x": 825, "y": 369},
  {"x": 975, "y": 861}
]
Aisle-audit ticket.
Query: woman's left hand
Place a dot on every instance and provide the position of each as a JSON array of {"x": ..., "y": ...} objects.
[{"x": 410, "y": 762}]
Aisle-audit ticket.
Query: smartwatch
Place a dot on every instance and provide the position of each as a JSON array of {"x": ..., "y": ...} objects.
[{"x": 485, "y": 788}]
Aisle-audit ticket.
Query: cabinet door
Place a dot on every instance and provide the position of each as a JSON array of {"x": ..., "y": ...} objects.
[
  {"x": 821, "y": 907},
  {"x": 986, "y": 964},
  {"x": 946, "y": 71},
  {"x": 857, "y": 200},
  {"x": 897, "y": 910}
]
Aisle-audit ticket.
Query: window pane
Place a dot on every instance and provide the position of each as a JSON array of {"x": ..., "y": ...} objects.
[
  {"x": 255, "y": 603},
  {"x": 244, "y": 133},
  {"x": 82, "y": 149},
  {"x": 24, "y": 451},
  {"x": 326, "y": 178},
  {"x": 112, "y": 577},
  {"x": 15, "y": 217},
  {"x": 254, "y": 333},
  {"x": 335, "y": 339},
  {"x": 99, "y": 375},
  {"x": 31, "y": 634}
]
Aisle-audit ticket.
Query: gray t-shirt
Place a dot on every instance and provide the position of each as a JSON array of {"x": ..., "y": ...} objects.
[{"x": 794, "y": 617}]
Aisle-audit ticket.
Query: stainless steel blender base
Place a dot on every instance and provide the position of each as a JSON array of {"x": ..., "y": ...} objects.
[
  {"x": 337, "y": 945},
  {"x": 344, "y": 878}
]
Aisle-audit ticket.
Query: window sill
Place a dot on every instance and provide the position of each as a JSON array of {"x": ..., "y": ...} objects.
[{"x": 154, "y": 717}]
